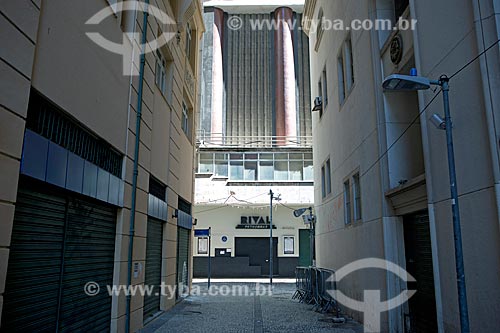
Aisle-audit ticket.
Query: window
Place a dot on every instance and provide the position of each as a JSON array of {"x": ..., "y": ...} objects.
[
  {"x": 347, "y": 202},
  {"x": 400, "y": 7},
  {"x": 323, "y": 91},
  {"x": 161, "y": 72},
  {"x": 325, "y": 88},
  {"x": 349, "y": 65},
  {"x": 203, "y": 245},
  {"x": 189, "y": 40},
  {"x": 164, "y": 75},
  {"x": 340, "y": 73},
  {"x": 345, "y": 70},
  {"x": 289, "y": 245},
  {"x": 326, "y": 180},
  {"x": 320, "y": 30},
  {"x": 320, "y": 93},
  {"x": 185, "y": 119},
  {"x": 239, "y": 166},
  {"x": 357, "y": 197}
]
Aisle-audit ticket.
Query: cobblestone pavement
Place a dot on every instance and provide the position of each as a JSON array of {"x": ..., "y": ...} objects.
[{"x": 276, "y": 313}]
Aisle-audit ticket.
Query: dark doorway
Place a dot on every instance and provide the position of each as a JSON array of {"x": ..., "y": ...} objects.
[
  {"x": 257, "y": 249},
  {"x": 422, "y": 306}
]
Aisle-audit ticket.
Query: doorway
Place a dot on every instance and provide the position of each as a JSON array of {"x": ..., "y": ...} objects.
[
  {"x": 418, "y": 250},
  {"x": 257, "y": 250}
]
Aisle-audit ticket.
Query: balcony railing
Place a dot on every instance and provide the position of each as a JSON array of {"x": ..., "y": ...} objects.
[{"x": 209, "y": 140}]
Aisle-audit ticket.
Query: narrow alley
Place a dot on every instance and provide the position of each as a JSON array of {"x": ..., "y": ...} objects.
[{"x": 247, "y": 314}]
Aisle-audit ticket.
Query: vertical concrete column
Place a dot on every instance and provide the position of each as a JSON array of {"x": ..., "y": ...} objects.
[
  {"x": 217, "y": 75},
  {"x": 286, "y": 107}
]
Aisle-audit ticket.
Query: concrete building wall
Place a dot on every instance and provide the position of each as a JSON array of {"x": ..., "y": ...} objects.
[
  {"x": 16, "y": 63},
  {"x": 51, "y": 54},
  {"x": 366, "y": 132}
]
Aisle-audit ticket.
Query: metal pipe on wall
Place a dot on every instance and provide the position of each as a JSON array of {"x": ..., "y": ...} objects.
[{"x": 136, "y": 162}]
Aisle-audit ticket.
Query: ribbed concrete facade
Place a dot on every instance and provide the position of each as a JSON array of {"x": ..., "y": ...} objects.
[{"x": 259, "y": 99}]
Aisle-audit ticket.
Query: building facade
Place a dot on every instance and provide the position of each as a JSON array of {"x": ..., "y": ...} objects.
[
  {"x": 381, "y": 174},
  {"x": 254, "y": 135},
  {"x": 97, "y": 161}
]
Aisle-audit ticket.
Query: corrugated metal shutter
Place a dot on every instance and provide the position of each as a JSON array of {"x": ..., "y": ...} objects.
[
  {"x": 153, "y": 266},
  {"x": 58, "y": 241},
  {"x": 419, "y": 264},
  {"x": 32, "y": 286},
  {"x": 183, "y": 236},
  {"x": 89, "y": 256}
]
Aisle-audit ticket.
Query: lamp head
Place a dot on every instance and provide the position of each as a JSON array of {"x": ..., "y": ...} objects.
[
  {"x": 299, "y": 212},
  {"x": 398, "y": 82}
]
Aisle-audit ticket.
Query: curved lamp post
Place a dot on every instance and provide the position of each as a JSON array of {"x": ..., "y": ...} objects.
[{"x": 413, "y": 82}]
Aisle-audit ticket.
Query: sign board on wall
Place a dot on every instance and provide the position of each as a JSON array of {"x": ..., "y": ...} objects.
[{"x": 254, "y": 222}]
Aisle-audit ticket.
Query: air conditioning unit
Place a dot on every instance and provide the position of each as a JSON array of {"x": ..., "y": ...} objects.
[{"x": 318, "y": 104}]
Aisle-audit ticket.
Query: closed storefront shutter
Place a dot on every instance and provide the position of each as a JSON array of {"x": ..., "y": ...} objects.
[
  {"x": 59, "y": 243},
  {"x": 153, "y": 266},
  {"x": 182, "y": 257}
]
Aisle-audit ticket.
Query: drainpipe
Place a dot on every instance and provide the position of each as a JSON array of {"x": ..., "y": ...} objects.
[
  {"x": 488, "y": 100},
  {"x": 136, "y": 161}
]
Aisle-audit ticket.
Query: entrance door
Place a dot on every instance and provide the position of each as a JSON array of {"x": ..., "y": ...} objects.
[
  {"x": 304, "y": 248},
  {"x": 257, "y": 249},
  {"x": 419, "y": 264}
]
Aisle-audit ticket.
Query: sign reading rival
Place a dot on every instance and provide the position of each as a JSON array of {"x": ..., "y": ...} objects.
[{"x": 254, "y": 222}]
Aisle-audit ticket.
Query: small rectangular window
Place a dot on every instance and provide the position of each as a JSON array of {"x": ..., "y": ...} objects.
[
  {"x": 340, "y": 73},
  {"x": 161, "y": 72},
  {"x": 325, "y": 87},
  {"x": 323, "y": 182},
  {"x": 188, "y": 41},
  {"x": 328, "y": 177},
  {"x": 357, "y": 197},
  {"x": 203, "y": 245},
  {"x": 289, "y": 245},
  {"x": 347, "y": 202},
  {"x": 185, "y": 120},
  {"x": 349, "y": 66}
]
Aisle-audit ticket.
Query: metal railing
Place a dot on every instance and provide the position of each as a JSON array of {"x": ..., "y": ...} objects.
[
  {"x": 312, "y": 287},
  {"x": 220, "y": 140}
]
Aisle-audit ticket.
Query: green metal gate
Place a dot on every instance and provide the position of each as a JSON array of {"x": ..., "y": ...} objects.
[
  {"x": 183, "y": 236},
  {"x": 153, "y": 267},
  {"x": 60, "y": 242}
]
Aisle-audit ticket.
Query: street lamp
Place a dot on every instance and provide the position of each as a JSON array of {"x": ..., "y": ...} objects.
[
  {"x": 298, "y": 213},
  {"x": 399, "y": 82},
  {"x": 278, "y": 198}
]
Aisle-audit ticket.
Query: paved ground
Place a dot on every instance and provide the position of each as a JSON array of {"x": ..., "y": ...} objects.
[{"x": 268, "y": 313}]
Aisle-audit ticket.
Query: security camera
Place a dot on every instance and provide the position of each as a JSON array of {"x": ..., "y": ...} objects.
[{"x": 438, "y": 121}]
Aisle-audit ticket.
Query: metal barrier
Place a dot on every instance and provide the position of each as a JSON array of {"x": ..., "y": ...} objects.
[{"x": 312, "y": 286}]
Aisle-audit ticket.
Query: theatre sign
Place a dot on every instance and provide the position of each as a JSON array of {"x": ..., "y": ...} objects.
[{"x": 254, "y": 222}]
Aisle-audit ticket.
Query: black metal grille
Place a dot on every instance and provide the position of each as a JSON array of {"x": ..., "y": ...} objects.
[
  {"x": 157, "y": 189},
  {"x": 184, "y": 206},
  {"x": 50, "y": 122}
]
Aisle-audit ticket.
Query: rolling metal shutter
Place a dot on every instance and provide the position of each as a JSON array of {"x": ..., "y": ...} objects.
[
  {"x": 419, "y": 264},
  {"x": 153, "y": 266},
  {"x": 182, "y": 257},
  {"x": 59, "y": 243},
  {"x": 33, "y": 276}
]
